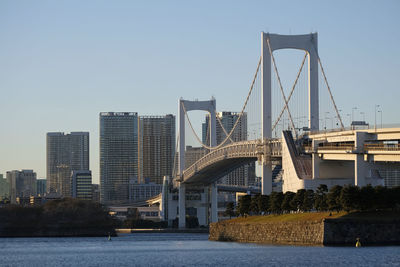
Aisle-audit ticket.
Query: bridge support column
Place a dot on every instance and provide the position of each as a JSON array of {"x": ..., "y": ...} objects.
[
  {"x": 360, "y": 166},
  {"x": 214, "y": 202},
  {"x": 182, "y": 206},
  {"x": 266, "y": 178},
  {"x": 315, "y": 159},
  {"x": 360, "y": 170}
]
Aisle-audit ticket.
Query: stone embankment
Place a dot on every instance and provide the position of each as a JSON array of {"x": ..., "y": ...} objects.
[{"x": 323, "y": 232}]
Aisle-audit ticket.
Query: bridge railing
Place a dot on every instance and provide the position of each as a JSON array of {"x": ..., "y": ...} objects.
[
  {"x": 253, "y": 148},
  {"x": 237, "y": 149},
  {"x": 384, "y": 147}
]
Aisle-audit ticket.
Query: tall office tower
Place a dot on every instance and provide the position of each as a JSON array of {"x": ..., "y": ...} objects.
[
  {"x": 118, "y": 155},
  {"x": 156, "y": 147},
  {"x": 244, "y": 175},
  {"x": 81, "y": 185},
  {"x": 22, "y": 184},
  {"x": 41, "y": 187},
  {"x": 65, "y": 153}
]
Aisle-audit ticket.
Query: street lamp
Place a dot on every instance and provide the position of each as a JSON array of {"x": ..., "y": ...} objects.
[
  {"x": 326, "y": 113},
  {"x": 380, "y": 111},
  {"x": 363, "y": 115},
  {"x": 352, "y": 113},
  {"x": 348, "y": 115},
  {"x": 376, "y": 106}
]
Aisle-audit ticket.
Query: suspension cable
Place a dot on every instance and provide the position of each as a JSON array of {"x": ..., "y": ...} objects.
[
  {"x": 280, "y": 86},
  {"x": 291, "y": 92},
  {"x": 174, "y": 168},
  {"x": 236, "y": 122},
  {"x": 329, "y": 89},
  {"x": 223, "y": 128}
]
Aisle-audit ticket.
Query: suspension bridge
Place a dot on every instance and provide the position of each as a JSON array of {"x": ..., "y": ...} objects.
[{"x": 281, "y": 125}]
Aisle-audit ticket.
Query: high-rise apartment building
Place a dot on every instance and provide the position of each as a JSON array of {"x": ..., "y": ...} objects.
[
  {"x": 81, "y": 185},
  {"x": 65, "y": 153},
  {"x": 22, "y": 184},
  {"x": 118, "y": 155},
  {"x": 245, "y": 174},
  {"x": 193, "y": 154},
  {"x": 156, "y": 147}
]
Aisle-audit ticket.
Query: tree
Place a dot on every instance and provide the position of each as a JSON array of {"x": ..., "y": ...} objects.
[
  {"x": 230, "y": 210},
  {"x": 275, "y": 202},
  {"x": 244, "y": 205},
  {"x": 298, "y": 199},
  {"x": 263, "y": 203},
  {"x": 333, "y": 198},
  {"x": 308, "y": 203},
  {"x": 367, "y": 194},
  {"x": 287, "y": 200},
  {"x": 396, "y": 197},
  {"x": 381, "y": 199},
  {"x": 320, "y": 202},
  {"x": 350, "y": 197},
  {"x": 254, "y": 208}
]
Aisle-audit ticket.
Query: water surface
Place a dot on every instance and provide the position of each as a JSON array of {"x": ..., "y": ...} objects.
[{"x": 171, "y": 249}]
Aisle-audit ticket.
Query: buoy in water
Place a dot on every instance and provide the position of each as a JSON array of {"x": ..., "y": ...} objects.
[{"x": 358, "y": 243}]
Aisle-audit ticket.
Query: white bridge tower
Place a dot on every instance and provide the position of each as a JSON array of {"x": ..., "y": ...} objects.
[
  {"x": 185, "y": 106},
  {"x": 270, "y": 43}
]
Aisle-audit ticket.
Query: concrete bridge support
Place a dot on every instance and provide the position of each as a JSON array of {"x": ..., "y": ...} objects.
[
  {"x": 182, "y": 205},
  {"x": 360, "y": 166},
  {"x": 315, "y": 160},
  {"x": 214, "y": 202},
  {"x": 266, "y": 178}
]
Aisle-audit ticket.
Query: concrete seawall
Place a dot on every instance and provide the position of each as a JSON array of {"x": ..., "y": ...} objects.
[{"x": 325, "y": 232}]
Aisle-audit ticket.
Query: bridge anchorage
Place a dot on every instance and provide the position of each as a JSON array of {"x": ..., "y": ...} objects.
[{"x": 307, "y": 160}]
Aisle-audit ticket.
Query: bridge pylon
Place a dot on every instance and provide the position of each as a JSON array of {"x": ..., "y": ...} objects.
[
  {"x": 185, "y": 106},
  {"x": 269, "y": 43}
]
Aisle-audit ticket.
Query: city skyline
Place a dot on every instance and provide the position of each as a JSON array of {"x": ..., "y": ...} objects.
[{"x": 64, "y": 71}]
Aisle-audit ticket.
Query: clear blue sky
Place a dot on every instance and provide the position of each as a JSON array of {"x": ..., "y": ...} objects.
[{"x": 63, "y": 62}]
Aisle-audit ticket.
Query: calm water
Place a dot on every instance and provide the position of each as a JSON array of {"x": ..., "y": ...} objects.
[{"x": 181, "y": 250}]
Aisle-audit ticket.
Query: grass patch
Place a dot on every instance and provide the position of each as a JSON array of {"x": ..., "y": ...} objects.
[
  {"x": 318, "y": 216},
  {"x": 291, "y": 217}
]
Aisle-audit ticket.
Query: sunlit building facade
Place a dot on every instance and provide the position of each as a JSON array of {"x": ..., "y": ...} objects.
[
  {"x": 156, "y": 147},
  {"x": 65, "y": 153},
  {"x": 118, "y": 155}
]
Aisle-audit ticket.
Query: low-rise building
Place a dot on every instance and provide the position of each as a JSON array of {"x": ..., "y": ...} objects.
[
  {"x": 22, "y": 184},
  {"x": 81, "y": 185}
]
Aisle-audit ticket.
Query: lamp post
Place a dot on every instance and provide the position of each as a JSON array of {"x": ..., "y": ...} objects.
[
  {"x": 352, "y": 113},
  {"x": 363, "y": 115},
  {"x": 326, "y": 113},
  {"x": 348, "y": 115},
  {"x": 376, "y": 106},
  {"x": 380, "y": 111}
]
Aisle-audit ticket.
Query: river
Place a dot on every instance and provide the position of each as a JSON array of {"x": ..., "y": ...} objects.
[{"x": 165, "y": 249}]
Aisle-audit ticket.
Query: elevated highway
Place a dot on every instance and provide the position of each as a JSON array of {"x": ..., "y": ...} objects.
[{"x": 376, "y": 145}]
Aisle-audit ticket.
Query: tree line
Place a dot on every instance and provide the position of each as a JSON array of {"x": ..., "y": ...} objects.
[
  {"x": 338, "y": 198},
  {"x": 65, "y": 217}
]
